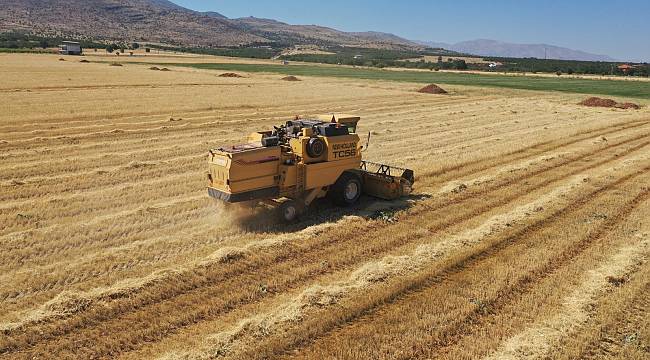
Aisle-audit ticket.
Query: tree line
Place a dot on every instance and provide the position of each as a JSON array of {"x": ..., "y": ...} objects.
[
  {"x": 533, "y": 65},
  {"x": 22, "y": 40}
]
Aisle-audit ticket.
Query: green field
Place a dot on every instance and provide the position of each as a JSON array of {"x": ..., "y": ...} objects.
[
  {"x": 25, "y": 51},
  {"x": 632, "y": 89}
]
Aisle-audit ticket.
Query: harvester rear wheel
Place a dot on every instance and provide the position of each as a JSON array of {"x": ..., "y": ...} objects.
[
  {"x": 347, "y": 189},
  {"x": 288, "y": 211}
]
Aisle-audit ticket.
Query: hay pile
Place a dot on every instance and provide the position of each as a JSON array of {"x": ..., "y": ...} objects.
[
  {"x": 628, "y": 105},
  {"x": 290, "y": 78},
  {"x": 607, "y": 103},
  {"x": 230, "y": 75},
  {"x": 155, "y": 68},
  {"x": 115, "y": 64},
  {"x": 84, "y": 61},
  {"x": 165, "y": 69},
  {"x": 432, "y": 89},
  {"x": 598, "y": 102}
]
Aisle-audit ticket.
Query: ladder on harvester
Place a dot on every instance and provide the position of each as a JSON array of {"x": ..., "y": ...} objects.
[{"x": 301, "y": 175}]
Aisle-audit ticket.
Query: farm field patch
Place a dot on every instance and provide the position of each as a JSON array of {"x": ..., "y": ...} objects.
[
  {"x": 527, "y": 234},
  {"x": 636, "y": 89}
]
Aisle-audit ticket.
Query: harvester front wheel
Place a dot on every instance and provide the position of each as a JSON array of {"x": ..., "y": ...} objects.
[
  {"x": 347, "y": 189},
  {"x": 289, "y": 211}
]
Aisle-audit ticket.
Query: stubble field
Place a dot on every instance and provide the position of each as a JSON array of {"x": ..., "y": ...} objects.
[{"x": 527, "y": 236}]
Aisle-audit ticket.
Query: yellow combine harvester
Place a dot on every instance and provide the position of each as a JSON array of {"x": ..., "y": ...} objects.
[{"x": 301, "y": 161}]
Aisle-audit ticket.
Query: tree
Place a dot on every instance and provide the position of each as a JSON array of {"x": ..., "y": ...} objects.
[
  {"x": 439, "y": 59},
  {"x": 135, "y": 46},
  {"x": 43, "y": 43},
  {"x": 110, "y": 49},
  {"x": 460, "y": 64}
]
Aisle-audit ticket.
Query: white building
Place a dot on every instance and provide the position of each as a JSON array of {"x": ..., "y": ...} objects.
[{"x": 70, "y": 48}]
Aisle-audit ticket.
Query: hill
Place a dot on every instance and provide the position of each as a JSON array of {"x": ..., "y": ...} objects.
[
  {"x": 132, "y": 20},
  {"x": 277, "y": 31},
  {"x": 486, "y": 47},
  {"x": 163, "y": 21}
]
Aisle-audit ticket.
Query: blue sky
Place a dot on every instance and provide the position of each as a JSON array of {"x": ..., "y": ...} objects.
[{"x": 620, "y": 29}]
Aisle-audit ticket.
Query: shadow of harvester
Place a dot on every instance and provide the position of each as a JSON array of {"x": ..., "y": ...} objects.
[{"x": 253, "y": 218}]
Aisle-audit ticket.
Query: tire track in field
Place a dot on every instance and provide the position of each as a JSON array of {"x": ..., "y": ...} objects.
[
  {"x": 621, "y": 329},
  {"x": 104, "y": 236},
  {"x": 575, "y": 310},
  {"x": 344, "y": 317},
  {"x": 87, "y": 267},
  {"x": 551, "y": 146},
  {"x": 471, "y": 324},
  {"x": 294, "y": 255},
  {"x": 467, "y": 322}
]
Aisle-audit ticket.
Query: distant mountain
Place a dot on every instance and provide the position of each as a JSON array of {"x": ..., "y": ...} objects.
[
  {"x": 166, "y": 4},
  {"x": 383, "y": 37},
  {"x": 124, "y": 20},
  {"x": 485, "y": 47},
  {"x": 214, "y": 14},
  {"x": 318, "y": 35},
  {"x": 163, "y": 21}
]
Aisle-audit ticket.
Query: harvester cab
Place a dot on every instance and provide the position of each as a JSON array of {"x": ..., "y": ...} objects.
[{"x": 300, "y": 161}]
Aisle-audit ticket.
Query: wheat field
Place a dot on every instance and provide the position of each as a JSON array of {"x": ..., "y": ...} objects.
[{"x": 527, "y": 236}]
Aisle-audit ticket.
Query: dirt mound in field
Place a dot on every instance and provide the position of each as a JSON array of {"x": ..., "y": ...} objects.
[
  {"x": 155, "y": 68},
  {"x": 608, "y": 103},
  {"x": 230, "y": 75},
  {"x": 164, "y": 69},
  {"x": 432, "y": 89},
  {"x": 115, "y": 64},
  {"x": 84, "y": 61},
  {"x": 598, "y": 102},
  {"x": 628, "y": 105},
  {"x": 290, "y": 78}
]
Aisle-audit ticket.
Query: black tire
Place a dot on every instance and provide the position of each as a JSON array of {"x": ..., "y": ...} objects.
[
  {"x": 346, "y": 190},
  {"x": 315, "y": 147},
  {"x": 288, "y": 211}
]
